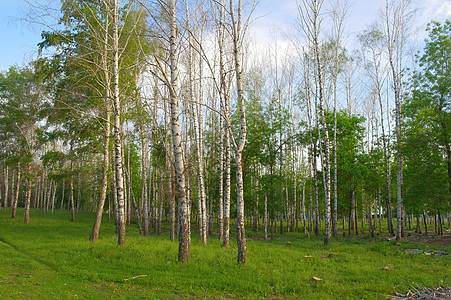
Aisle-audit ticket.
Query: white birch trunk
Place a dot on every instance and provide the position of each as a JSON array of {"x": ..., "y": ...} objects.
[
  {"x": 144, "y": 199},
  {"x": 303, "y": 206},
  {"x": 28, "y": 195},
  {"x": 16, "y": 196},
  {"x": 221, "y": 177},
  {"x": 184, "y": 236},
  {"x": 227, "y": 137},
  {"x": 224, "y": 189},
  {"x": 395, "y": 35},
  {"x": 227, "y": 184},
  {"x": 201, "y": 159},
  {"x": 106, "y": 159},
  {"x": 49, "y": 194},
  {"x": 62, "y": 195},
  {"x": 72, "y": 205},
  {"x": 118, "y": 127},
  {"x": 54, "y": 195},
  {"x": 266, "y": 217},
  {"x": 256, "y": 218},
  {"x": 335, "y": 210},
  {"x": 236, "y": 30},
  {"x": 5, "y": 200},
  {"x": 327, "y": 213}
]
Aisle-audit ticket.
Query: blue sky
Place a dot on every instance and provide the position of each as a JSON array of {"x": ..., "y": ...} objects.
[{"x": 19, "y": 39}]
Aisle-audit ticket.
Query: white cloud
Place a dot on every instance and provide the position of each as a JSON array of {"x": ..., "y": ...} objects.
[
  {"x": 438, "y": 10},
  {"x": 444, "y": 9}
]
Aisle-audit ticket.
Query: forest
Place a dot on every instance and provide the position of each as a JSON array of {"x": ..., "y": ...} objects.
[{"x": 165, "y": 117}]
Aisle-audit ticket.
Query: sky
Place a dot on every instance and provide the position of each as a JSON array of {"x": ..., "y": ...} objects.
[{"x": 20, "y": 39}]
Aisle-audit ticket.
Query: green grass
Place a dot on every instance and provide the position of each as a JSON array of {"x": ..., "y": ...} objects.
[{"x": 52, "y": 258}]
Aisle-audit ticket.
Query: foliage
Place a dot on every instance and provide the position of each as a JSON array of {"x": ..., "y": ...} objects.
[
  {"x": 21, "y": 105},
  {"x": 426, "y": 142}
]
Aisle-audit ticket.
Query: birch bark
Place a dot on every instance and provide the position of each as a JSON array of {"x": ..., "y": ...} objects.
[
  {"x": 396, "y": 16},
  {"x": 117, "y": 126},
  {"x": 184, "y": 234},
  {"x": 28, "y": 195},
  {"x": 236, "y": 35},
  {"x": 16, "y": 196},
  {"x": 5, "y": 200}
]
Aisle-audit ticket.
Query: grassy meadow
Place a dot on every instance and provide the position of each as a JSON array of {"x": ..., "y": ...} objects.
[{"x": 52, "y": 258}]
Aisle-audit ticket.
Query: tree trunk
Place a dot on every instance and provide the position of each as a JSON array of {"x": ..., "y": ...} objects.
[
  {"x": 28, "y": 195},
  {"x": 425, "y": 224},
  {"x": 117, "y": 127},
  {"x": 266, "y": 217},
  {"x": 227, "y": 186},
  {"x": 418, "y": 227},
  {"x": 144, "y": 192},
  {"x": 201, "y": 158},
  {"x": 128, "y": 191},
  {"x": 132, "y": 197},
  {"x": 154, "y": 212},
  {"x": 240, "y": 230},
  {"x": 16, "y": 196},
  {"x": 236, "y": 35},
  {"x": 200, "y": 172},
  {"x": 106, "y": 159},
  {"x": 78, "y": 191},
  {"x": 34, "y": 203},
  {"x": 42, "y": 192},
  {"x": 281, "y": 206},
  {"x": 62, "y": 195},
  {"x": 327, "y": 213},
  {"x": 303, "y": 206},
  {"x": 72, "y": 204},
  {"x": 370, "y": 219},
  {"x": 387, "y": 172},
  {"x": 439, "y": 221},
  {"x": 54, "y": 195},
  {"x": 356, "y": 218},
  {"x": 160, "y": 207},
  {"x": 315, "y": 180},
  {"x": 221, "y": 180},
  {"x": 183, "y": 212},
  {"x": 394, "y": 43},
  {"x": 297, "y": 203},
  {"x": 48, "y": 194},
  {"x": 255, "y": 218},
  {"x": 5, "y": 200},
  {"x": 335, "y": 212},
  {"x": 172, "y": 206},
  {"x": 223, "y": 125}
]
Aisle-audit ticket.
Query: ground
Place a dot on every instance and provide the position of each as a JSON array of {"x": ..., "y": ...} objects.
[{"x": 431, "y": 239}]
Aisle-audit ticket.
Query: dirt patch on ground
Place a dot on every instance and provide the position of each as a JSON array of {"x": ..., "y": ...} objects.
[{"x": 431, "y": 239}]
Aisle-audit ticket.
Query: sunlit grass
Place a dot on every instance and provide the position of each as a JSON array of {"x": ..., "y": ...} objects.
[{"x": 53, "y": 258}]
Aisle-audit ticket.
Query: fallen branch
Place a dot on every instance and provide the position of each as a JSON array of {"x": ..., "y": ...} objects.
[{"x": 135, "y": 277}]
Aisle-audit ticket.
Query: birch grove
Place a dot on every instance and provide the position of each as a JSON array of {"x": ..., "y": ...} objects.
[{"x": 145, "y": 109}]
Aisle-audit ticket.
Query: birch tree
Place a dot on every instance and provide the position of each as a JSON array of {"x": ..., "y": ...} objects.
[
  {"x": 113, "y": 9},
  {"x": 238, "y": 31},
  {"x": 310, "y": 17},
  {"x": 183, "y": 212},
  {"x": 396, "y": 23},
  {"x": 224, "y": 98},
  {"x": 20, "y": 106},
  {"x": 106, "y": 148},
  {"x": 338, "y": 18},
  {"x": 372, "y": 43}
]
